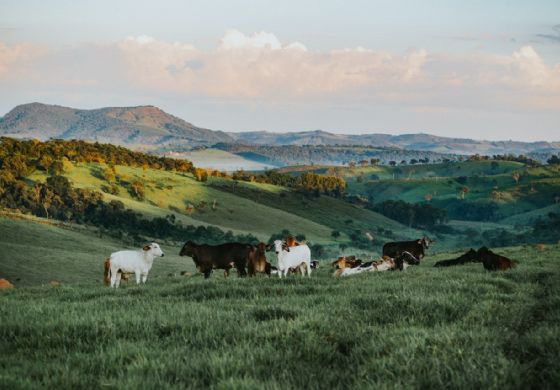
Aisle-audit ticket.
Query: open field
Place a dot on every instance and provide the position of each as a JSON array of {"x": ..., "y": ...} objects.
[{"x": 427, "y": 327}]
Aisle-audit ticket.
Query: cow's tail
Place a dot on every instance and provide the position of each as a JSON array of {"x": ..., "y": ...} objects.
[{"x": 107, "y": 271}]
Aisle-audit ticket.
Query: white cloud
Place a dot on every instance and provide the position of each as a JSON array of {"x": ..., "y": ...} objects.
[
  {"x": 234, "y": 39},
  {"x": 260, "y": 66}
]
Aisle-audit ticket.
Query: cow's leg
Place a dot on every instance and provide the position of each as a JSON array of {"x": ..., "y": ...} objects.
[
  {"x": 226, "y": 273},
  {"x": 241, "y": 272},
  {"x": 138, "y": 275},
  {"x": 144, "y": 277},
  {"x": 113, "y": 279},
  {"x": 118, "y": 279},
  {"x": 308, "y": 269},
  {"x": 207, "y": 273}
]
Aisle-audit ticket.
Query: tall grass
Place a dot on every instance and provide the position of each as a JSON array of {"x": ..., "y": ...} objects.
[{"x": 427, "y": 327}]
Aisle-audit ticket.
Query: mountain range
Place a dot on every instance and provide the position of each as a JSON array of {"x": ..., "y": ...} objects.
[{"x": 150, "y": 127}]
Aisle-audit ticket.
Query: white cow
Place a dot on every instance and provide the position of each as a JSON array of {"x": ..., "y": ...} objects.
[
  {"x": 140, "y": 262},
  {"x": 294, "y": 256}
]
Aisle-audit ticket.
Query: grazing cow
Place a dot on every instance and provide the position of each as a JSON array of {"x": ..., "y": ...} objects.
[
  {"x": 224, "y": 256},
  {"x": 289, "y": 257},
  {"x": 257, "y": 260},
  {"x": 469, "y": 256},
  {"x": 415, "y": 248},
  {"x": 137, "y": 262},
  {"x": 494, "y": 262}
]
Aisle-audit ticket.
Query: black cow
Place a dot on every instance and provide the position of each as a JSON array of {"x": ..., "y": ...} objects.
[
  {"x": 415, "y": 248},
  {"x": 224, "y": 256},
  {"x": 469, "y": 256}
]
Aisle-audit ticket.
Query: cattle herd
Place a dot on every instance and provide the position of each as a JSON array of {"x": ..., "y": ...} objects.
[{"x": 291, "y": 256}]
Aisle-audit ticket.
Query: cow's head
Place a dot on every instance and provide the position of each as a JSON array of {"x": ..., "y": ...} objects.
[
  {"x": 187, "y": 249},
  {"x": 153, "y": 249},
  {"x": 279, "y": 246},
  {"x": 261, "y": 247},
  {"x": 425, "y": 241}
]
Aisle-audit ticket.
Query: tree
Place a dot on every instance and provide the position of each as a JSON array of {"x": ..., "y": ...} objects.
[
  {"x": 553, "y": 160},
  {"x": 343, "y": 246},
  {"x": 335, "y": 234},
  {"x": 109, "y": 174},
  {"x": 137, "y": 189}
]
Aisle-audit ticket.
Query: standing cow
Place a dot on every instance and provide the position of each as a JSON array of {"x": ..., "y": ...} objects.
[
  {"x": 415, "y": 248},
  {"x": 290, "y": 257},
  {"x": 224, "y": 256}
]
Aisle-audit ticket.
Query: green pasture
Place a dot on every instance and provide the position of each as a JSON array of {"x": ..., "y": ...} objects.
[{"x": 459, "y": 328}]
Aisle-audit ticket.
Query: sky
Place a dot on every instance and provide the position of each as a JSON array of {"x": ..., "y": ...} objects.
[{"x": 472, "y": 69}]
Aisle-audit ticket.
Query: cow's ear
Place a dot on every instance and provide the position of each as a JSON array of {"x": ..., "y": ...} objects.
[
  {"x": 419, "y": 241},
  {"x": 146, "y": 248}
]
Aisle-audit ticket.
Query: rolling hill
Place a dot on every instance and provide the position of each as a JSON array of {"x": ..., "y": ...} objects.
[
  {"x": 131, "y": 126},
  {"x": 418, "y": 142}
]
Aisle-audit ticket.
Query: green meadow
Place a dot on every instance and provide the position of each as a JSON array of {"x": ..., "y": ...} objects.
[{"x": 461, "y": 327}]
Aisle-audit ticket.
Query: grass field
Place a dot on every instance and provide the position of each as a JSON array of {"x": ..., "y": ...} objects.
[
  {"x": 259, "y": 209},
  {"x": 427, "y": 327}
]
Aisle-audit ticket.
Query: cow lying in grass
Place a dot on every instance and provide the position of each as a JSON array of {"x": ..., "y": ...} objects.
[
  {"x": 469, "y": 256},
  {"x": 490, "y": 260},
  {"x": 384, "y": 264},
  {"x": 137, "y": 262},
  {"x": 493, "y": 261}
]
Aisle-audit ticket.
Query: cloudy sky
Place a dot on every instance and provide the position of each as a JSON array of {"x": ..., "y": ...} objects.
[{"x": 478, "y": 69}]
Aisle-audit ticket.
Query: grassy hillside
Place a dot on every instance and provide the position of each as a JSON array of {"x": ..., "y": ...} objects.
[
  {"x": 36, "y": 251},
  {"x": 424, "y": 328},
  {"x": 259, "y": 209},
  {"x": 487, "y": 181}
]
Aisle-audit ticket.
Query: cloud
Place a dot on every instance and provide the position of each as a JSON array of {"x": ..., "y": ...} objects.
[
  {"x": 554, "y": 37},
  {"x": 14, "y": 57},
  {"x": 261, "y": 67}
]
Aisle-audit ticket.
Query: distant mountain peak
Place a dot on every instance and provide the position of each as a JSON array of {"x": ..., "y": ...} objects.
[{"x": 138, "y": 125}]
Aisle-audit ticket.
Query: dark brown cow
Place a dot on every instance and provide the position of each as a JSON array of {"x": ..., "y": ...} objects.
[
  {"x": 224, "y": 256},
  {"x": 470, "y": 256},
  {"x": 494, "y": 262},
  {"x": 415, "y": 248}
]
